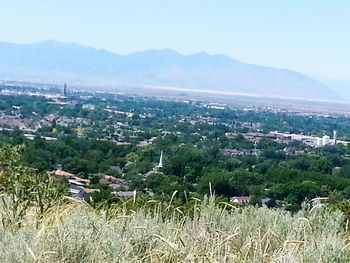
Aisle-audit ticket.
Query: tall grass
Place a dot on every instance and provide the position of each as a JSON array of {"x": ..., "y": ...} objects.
[{"x": 74, "y": 232}]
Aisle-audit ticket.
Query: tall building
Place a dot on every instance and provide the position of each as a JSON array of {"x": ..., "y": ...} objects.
[{"x": 65, "y": 91}]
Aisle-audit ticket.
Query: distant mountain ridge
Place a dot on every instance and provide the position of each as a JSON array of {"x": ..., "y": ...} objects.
[{"x": 52, "y": 60}]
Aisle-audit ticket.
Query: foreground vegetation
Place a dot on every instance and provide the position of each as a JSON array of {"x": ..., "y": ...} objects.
[
  {"x": 38, "y": 223},
  {"x": 74, "y": 232}
]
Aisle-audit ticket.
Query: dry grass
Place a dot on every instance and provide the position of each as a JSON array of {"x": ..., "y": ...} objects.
[{"x": 76, "y": 233}]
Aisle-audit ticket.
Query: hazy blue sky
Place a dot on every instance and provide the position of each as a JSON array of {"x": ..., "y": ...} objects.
[{"x": 311, "y": 36}]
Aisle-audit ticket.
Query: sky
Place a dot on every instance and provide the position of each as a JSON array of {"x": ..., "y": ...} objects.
[{"x": 309, "y": 36}]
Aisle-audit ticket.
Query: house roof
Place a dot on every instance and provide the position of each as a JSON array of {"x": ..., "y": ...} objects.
[
  {"x": 91, "y": 190},
  {"x": 75, "y": 182},
  {"x": 116, "y": 169},
  {"x": 125, "y": 193},
  {"x": 241, "y": 199},
  {"x": 63, "y": 173},
  {"x": 104, "y": 181}
]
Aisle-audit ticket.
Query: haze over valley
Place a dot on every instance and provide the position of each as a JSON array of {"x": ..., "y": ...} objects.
[{"x": 53, "y": 61}]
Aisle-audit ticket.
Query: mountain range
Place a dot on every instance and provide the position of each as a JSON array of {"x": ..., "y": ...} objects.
[{"x": 56, "y": 61}]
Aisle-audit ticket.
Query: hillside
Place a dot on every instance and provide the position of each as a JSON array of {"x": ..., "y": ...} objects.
[
  {"x": 55, "y": 61},
  {"x": 76, "y": 233}
]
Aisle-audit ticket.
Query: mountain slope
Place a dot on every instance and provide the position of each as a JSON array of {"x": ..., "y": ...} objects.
[{"x": 51, "y": 60}]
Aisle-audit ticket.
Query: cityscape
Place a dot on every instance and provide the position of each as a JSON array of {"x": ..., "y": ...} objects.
[{"x": 123, "y": 121}]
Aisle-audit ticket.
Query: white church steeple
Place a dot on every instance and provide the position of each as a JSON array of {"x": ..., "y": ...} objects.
[{"x": 160, "y": 164}]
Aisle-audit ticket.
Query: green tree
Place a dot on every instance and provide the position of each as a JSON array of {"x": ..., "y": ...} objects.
[{"x": 25, "y": 188}]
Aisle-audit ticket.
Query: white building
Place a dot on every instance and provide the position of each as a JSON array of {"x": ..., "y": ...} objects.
[{"x": 325, "y": 140}]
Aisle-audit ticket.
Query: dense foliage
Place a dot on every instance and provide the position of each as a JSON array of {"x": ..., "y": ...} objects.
[{"x": 90, "y": 142}]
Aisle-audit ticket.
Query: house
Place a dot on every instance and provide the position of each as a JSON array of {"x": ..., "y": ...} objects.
[
  {"x": 129, "y": 194},
  {"x": 63, "y": 173},
  {"x": 240, "y": 199},
  {"x": 243, "y": 152},
  {"x": 319, "y": 201},
  {"x": 125, "y": 193},
  {"x": 232, "y": 152},
  {"x": 91, "y": 190},
  {"x": 88, "y": 107},
  {"x": 283, "y": 138},
  {"x": 146, "y": 142},
  {"x": 268, "y": 202},
  {"x": 253, "y": 152},
  {"x": 116, "y": 169},
  {"x": 72, "y": 178},
  {"x": 289, "y": 150},
  {"x": 79, "y": 192},
  {"x": 231, "y": 135},
  {"x": 114, "y": 183},
  {"x": 76, "y": 184},
  {"x": 254, "y": 136}
]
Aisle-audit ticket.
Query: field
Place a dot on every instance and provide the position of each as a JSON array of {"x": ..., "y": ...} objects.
[{"x": 75, "y": 232}]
